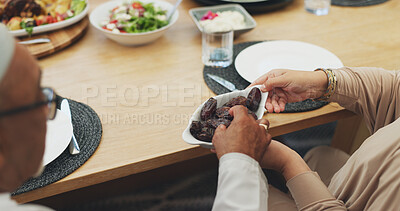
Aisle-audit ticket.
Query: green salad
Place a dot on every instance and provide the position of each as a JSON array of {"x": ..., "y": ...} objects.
[{"x": 135, "y": 17}]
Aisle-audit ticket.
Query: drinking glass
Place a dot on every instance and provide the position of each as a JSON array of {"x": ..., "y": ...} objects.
[
  {"x": 217, "y": 44},
  {"x": 317, "y": 7}
]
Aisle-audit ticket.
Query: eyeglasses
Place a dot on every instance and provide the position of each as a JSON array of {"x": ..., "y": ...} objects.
[{"x": 50, "y": 101}]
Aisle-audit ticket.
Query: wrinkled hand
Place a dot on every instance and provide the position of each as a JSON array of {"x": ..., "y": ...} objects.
[
  {"x": 287, "y": 86},
  {"x": 244, "y": 135}
]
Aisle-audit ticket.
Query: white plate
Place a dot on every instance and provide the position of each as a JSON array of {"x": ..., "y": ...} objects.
[
  {"x": 53, "y": 26},
  {"x": 260, "y": 58},
  {"x": 58, "y": 136},
  {"x": 221, "y": 100}
]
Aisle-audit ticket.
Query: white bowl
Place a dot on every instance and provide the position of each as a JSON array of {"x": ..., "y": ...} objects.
[
  {"x": 221, "y": 100},
  {"x": 101, "y": 12},
  {"x": 198, "y": 13}
]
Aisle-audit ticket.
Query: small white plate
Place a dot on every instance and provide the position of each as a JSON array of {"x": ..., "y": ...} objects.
[
  {"x": 260, "y": 58},
  {"x": 221, "y": 100},
  {"x": 53, "y": 26},
  {"x": 58, "y": 136}
]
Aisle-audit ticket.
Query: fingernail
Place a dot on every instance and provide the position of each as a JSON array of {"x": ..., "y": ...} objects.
[{"x": 263, "y": 87}]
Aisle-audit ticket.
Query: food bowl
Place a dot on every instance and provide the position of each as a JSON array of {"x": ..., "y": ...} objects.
[
  {"x": 249, "y": 22},
  {"x": 221, "y": 100},
  {"x": 100, "y": 13}
]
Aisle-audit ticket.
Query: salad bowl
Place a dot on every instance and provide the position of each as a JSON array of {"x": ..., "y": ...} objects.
[
  {"x": 103, "y": 11},
  {"x": 52, "y": 23}
]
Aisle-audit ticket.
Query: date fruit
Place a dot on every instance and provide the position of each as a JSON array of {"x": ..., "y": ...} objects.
[
  {"x": 195, "y": 127},
  {"x": 211, "y": 116},
  {"x": 223, "y": 112},
  {"x": 253, "y": 99},
  {"x": 208, "y": 109},
  {"x": 252, "y": 113},
  {"x": 237, "y": 101},
  {"x": 216, "y": 122},
  {"x": 206, "y": 134}
]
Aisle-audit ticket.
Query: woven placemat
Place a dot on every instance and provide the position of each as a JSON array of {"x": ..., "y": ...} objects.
[
  {"x": 356, "y": 3},
  {"x": 87, "y": 130},
  {"x": 229, "y": 73}
]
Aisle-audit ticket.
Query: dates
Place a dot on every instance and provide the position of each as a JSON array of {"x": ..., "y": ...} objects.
[
  {"x": 202, "y": 131},
  {"x": 252, "y": 114},
  {"x": 208, "y": 109},
  {"x": 216, "y": 122},
  {"x": 206, "y": 134},
  {"x": 253, "y": 99},
  {"x": 195, "y": 127},
  {"x": 237, "y": 101},
  {"x": 223, "y": 112},
  {"x": 211, "y": 116}
]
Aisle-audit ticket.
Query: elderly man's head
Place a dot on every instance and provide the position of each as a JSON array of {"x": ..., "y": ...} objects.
[{"x": 22, "y": 134}]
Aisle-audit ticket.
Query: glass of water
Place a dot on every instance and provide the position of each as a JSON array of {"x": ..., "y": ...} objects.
[
  {"x": 217, "y": 44},
  {"x": 317, "y": 7}
]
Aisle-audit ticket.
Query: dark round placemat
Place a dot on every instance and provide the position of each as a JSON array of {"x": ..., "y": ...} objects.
[
  {"x": 252, "y": 7},
  {"x": 229, "y": 73},
  {"x": 87, "y": 130},
  {"x": 356, "y": 3}
]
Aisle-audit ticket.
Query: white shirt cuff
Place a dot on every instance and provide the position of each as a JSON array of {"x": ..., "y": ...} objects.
[{"x": 242, "y": 184}]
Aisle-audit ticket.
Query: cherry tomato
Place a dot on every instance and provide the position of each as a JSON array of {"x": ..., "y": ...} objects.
[
  {"x": 50, "y": 19},
  {"x": 105, "y": 27},
  {"x": 137, "y": 5}
]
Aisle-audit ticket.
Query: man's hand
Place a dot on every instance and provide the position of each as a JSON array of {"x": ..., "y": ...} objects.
[{"x": 244, "y": 135}]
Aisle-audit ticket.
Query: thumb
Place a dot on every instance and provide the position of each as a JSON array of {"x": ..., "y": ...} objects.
[{"x": 277, "y": 82}]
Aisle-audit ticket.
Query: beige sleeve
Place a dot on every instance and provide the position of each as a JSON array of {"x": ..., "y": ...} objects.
[
  {"x": 370, "y": 92},
  {"x": 385, "y": 195},
  {"x": 311, "y": 194}
]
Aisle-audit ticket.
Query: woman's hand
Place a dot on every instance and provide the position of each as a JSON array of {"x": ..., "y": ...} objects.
[
  {"x": 283, "y": 160},
  {"x": 287, "y": 86}
]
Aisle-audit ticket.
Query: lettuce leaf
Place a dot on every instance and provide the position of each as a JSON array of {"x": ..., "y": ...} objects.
[{"x": 78, "y": 6}]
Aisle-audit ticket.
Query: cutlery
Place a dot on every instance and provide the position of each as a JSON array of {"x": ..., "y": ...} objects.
[
  {"x": 169, "y": 16},
  {"x": 73, "y": 145},
  {"x": 35, "y": 41},
  {"x": 225, "y": 83}
]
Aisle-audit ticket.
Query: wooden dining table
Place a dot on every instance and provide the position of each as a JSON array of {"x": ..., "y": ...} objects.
[{"x": 145, "y": 95}]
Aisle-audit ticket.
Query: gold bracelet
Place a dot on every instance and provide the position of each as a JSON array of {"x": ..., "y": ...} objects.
[{"x": 332, "y": 82}]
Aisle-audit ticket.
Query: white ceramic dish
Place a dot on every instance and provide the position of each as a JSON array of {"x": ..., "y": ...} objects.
[
  {"x": 260, "y": 58},
  {"x": 58, "y": 136},
  {"x": 198, "y": 13},
  {"x": 101, "y": 12},
  {"x": 221, "y": 99},
  {"x": 53, "y": 26}
]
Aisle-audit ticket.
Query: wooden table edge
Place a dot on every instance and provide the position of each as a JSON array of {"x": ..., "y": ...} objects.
[{"x": 165, "y": 160}]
